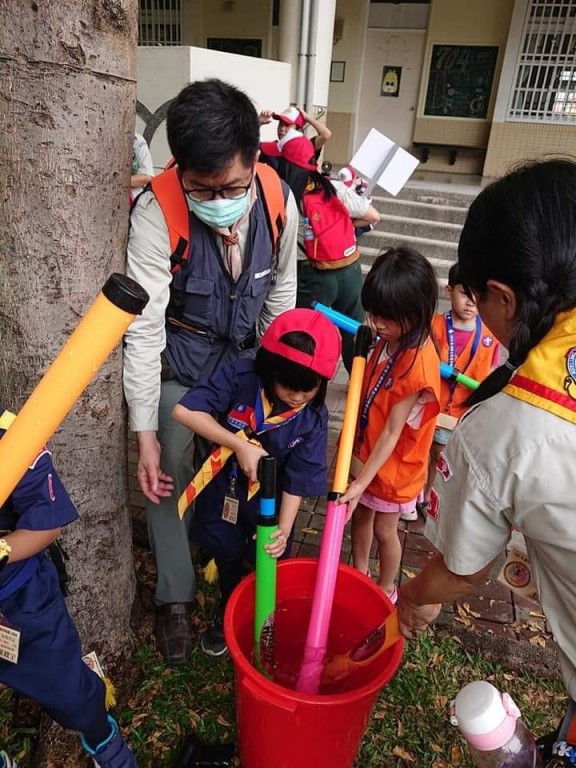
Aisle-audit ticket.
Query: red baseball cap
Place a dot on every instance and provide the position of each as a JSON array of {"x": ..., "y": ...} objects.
[
  {"x": 290, "y": 116},
  {"x": 294, "y": 147},
  {"x": 324, "y": 360}
]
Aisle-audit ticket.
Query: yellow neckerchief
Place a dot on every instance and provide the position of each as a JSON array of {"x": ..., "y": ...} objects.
[
  {"x": 221, "y": 454},
  {"x": 548, "y": 377}
]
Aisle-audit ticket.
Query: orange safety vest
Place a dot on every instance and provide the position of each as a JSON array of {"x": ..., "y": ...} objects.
[
  {"x": 452, "y": 396},
  {"x": 402, "y": 476},
  {"x": 167, "y": 188}
]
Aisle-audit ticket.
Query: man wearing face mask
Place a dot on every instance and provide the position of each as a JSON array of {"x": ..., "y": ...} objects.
[{"x": 217, "y": 277}]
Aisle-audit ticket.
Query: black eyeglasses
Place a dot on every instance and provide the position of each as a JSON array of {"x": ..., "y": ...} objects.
[{"x": 203, "y": 194}]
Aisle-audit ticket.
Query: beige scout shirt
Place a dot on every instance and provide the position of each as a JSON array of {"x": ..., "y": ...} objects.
[
  {"x": 148, "y": 262},
  {"x": 510, "y": 464}
]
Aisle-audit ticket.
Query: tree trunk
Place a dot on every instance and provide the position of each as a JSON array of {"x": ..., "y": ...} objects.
[{"x": 67, "y": 110}]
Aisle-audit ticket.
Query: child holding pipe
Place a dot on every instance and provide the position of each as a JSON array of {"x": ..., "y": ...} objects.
[
  {"x": 398, "y": 407},
  {"x": 273, "y": 405},
  {"x": 466, "y": 344},
  {"x": 40, "y": 651}
]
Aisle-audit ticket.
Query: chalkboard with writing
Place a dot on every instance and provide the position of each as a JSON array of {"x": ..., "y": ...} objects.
[{"x": 460, "y": 80}]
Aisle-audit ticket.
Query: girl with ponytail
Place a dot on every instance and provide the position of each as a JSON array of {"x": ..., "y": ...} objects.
[{"x": 511, "y": 460}]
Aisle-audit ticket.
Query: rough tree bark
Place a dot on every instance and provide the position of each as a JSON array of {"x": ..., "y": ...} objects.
[{"x": 67, "y": 108}]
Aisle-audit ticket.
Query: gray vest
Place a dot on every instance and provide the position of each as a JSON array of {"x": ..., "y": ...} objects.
[{"x": 214, "y": 320}]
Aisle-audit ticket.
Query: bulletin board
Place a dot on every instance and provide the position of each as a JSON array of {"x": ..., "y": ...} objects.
[{"x": 460, "y": 81}]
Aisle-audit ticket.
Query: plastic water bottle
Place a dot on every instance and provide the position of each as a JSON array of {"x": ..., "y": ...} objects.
[
  {"x": 490, "y": 723},
  {"x": 308, "y": 231}
]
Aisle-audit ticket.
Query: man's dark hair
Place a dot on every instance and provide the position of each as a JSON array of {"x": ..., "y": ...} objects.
[{"x": 208, "y": 124}]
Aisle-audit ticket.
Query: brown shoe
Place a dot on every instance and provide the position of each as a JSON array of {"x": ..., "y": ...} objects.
[{"x": 174, "y": 633}]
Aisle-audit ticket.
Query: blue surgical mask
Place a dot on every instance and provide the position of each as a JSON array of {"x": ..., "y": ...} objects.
[{"x": 220, "y": 212}]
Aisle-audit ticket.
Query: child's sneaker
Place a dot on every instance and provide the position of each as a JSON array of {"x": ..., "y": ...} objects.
[
  {"x": 112, "y": 753},
  {"x": 6, "y": 761},
  {"x": 410, "y": 516},
  {"x": 212, "y": 641}
]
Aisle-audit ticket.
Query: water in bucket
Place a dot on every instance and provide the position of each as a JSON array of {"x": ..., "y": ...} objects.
[{"x": 284, "y": 659}]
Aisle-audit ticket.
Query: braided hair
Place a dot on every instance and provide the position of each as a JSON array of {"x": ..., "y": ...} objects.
[{"x": 521, "y": 231}]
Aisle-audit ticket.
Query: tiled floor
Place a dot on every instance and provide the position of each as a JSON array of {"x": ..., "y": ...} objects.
[{"x": 492, "y": 610}]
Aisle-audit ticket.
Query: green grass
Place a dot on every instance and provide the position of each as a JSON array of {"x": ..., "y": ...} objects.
[{"x": 409, "y": 726}]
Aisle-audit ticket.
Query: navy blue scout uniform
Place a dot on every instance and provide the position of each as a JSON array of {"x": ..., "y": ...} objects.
[
  {"x": 299, "y": 445},
  {"x": 49, "y": 669}
]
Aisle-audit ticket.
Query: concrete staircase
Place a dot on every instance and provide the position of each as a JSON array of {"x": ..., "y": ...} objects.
[{"x": 427, "y": 218}]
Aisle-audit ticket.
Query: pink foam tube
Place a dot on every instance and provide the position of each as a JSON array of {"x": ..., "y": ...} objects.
[{"x": 317, "y": 637}]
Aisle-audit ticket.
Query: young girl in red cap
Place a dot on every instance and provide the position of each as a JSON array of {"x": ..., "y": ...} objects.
[{"x": 276, "y": 400}]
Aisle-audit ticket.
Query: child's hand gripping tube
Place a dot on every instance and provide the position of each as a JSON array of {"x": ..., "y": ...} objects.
[
  {"x": 99, "y": 331},
  {"x": 323, "y": 599},
  {"x": 266, "y": 566}
]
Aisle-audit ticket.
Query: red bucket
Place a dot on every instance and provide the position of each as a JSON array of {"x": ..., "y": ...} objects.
[{"x": 280, "y": 728}]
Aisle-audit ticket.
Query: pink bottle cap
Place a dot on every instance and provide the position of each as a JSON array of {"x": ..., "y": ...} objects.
[{"x": 486, "y": 718}]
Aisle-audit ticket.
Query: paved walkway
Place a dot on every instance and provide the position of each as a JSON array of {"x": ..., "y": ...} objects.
[{"x": 492, "y": 611}]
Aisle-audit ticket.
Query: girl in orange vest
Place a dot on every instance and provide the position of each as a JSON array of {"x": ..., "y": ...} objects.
[
  {"x": 398, "y": 408},
  {"x": 467, "y": 344}
]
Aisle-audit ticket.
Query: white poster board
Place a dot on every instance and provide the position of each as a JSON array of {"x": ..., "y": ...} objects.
[{"x": 383, "y": 162}]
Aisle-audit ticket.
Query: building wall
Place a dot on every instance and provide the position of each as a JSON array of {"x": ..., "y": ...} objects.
[
  {"x": 163, "y": 72},
  {"x": 243, "y": 19},
  {"x": 344, "y": 97},
  {"x": 513, "y": 141},
  {"x": 466, "y": 22}
]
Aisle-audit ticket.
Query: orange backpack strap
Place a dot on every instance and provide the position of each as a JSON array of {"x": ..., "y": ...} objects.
[
  {"x": 167, "y": 189},
  {"x": 274, "y": 201},
  {"x": 168, "y": 192}
]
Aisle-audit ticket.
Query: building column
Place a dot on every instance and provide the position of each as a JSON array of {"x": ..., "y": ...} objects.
[
  {"x": 289, "y": 39},
  {"x": 320, "y": 39}
]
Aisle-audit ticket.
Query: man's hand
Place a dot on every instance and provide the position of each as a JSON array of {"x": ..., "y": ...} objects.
[
  {"x": 248, "y": 456},
  {"x": 412, "y": 617},
  {"x": 155, "y": 484}
]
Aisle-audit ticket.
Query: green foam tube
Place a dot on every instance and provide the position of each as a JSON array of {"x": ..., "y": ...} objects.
[{"x": 266, "y": 566}]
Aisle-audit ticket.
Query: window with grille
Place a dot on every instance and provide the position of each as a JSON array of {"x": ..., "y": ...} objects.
[
  {"x": 545, "y": 78},
  {"x": 159, "y": 22}
]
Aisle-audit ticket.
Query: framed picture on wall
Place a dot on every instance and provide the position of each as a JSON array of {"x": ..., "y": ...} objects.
[
  {"x": 460, "y": 81},
  {"x": 390, "y": 83},
  {"x": 337, "y": 71}
]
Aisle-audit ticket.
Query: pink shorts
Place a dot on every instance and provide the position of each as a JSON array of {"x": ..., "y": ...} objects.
[{"x": 390, "y": 507}]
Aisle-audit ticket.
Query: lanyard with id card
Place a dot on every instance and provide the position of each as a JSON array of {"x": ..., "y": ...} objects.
[
  {"x": 9, "y": 640},
  {"x": 230, "y": 505}
]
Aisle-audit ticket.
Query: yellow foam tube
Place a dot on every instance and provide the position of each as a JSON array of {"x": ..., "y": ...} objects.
[
  {"x": 99, "y": 331},
  {"x": 346, "y": 445}
]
